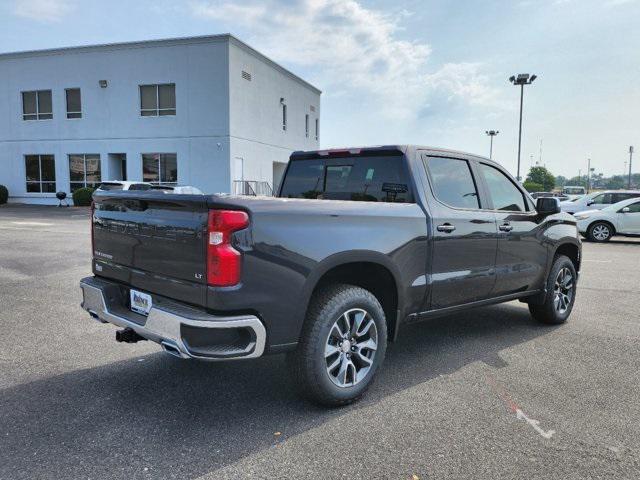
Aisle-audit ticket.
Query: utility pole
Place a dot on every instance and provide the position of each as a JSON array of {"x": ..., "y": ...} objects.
[
  {"x": 588, "y": 175},
  {"x": 541, "y": 155},
  {"x": 630, "y": 160},
  {"x": 522, "y": 79},
  {"x": 491, "y": 133}
]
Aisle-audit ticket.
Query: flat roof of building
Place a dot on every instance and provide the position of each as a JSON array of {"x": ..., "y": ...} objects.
[{"x": 223, "y": 37}]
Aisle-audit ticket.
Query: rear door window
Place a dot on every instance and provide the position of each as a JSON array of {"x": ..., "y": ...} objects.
[
  {"x": 366, "y": 178},
  {"x": 619, "y": 197},
  {"x": 452, "y": 182}
]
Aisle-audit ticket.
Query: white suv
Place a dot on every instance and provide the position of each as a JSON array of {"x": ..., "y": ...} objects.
[{"x": 124, "y": 185}]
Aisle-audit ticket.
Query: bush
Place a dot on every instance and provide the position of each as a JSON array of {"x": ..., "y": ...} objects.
[
  {"x": 4, "y": 194},
  {"x": 533, "y": 187},
  {"x": 82, "y": 197}
]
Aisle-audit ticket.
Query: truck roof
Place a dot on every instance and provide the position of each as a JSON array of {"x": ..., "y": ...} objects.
[{"x": 379, "y": 150}]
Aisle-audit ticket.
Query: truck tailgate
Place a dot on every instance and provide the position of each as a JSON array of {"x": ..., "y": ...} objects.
[{"x": 152, "y": 241}]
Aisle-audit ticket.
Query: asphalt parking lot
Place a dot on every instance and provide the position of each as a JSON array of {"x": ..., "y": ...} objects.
[{"x": 484, "y": 395}]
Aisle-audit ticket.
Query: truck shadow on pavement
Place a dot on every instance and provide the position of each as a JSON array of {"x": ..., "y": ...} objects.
[{"x": 163, "y": 417}]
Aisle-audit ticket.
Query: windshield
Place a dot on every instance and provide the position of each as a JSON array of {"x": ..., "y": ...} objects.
[{"x": 111, "y": 186}]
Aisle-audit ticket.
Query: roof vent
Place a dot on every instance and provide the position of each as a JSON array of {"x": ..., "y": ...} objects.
[{"x": 246, "y": 75}]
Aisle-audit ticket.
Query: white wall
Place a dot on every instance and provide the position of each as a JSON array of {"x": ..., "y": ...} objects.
[
  {"x": 111, "y": 120},
  {"x": 256, "y": 116}
]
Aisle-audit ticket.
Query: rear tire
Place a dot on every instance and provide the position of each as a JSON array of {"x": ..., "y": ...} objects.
[
  {"x": 342, "y": 344},
  {"x": 560, "y": 296},
  {"x": 600, "y": 232}
]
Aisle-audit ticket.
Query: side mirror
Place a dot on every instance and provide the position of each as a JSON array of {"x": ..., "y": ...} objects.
[
  {"x": 590, "y": 202},
  {"x": 625, "y": 210},
  {"x": 547, "y": 205}
]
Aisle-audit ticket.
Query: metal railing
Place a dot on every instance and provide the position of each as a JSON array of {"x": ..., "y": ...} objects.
[{"x": 252, "y": 187}]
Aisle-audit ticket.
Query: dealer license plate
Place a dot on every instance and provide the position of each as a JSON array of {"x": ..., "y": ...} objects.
[{"x": 140, "y": 302}]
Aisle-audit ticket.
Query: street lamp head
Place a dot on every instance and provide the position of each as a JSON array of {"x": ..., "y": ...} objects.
[
  {"x": 492, "y": 133},
  {"x": 522, "y": 79}
]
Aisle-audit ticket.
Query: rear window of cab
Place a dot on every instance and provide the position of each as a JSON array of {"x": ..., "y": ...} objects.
[{"x": 357, "y": 178}]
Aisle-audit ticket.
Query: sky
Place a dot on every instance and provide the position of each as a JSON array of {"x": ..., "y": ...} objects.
[{"x": 430, "y": 72}]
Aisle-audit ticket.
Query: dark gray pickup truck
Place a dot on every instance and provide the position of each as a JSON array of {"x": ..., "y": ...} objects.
[{"x": 359, "y": 243}]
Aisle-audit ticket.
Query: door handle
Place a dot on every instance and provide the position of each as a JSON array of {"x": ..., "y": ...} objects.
[
  {"x": 505, "y": 227},
  {"x": 447, "y": 227}
]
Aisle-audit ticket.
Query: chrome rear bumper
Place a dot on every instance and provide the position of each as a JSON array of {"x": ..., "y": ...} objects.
[{"x": 181, "y": 330}]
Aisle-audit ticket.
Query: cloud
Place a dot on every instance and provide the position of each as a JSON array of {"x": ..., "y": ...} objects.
[
  {"x": 351, "y": 50},
  {"x": 44, "y": 11}
]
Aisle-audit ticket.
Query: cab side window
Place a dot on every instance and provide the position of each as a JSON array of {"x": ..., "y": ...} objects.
[
  {"x": 452, "y": 182},
  {"x": 504, "y": 194}
]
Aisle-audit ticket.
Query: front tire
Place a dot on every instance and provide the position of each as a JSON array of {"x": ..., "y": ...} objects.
[
  {"x": 600, "y": 232},
  {"x": 343, "y": 342},
  {"x": 560, "y": 296}
]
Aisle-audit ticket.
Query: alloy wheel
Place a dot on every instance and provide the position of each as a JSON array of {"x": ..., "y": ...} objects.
[
  {"x": 351, "y": 347},
  {"x": 601, "y": 232},
  {"x": 563, "y": 290}
]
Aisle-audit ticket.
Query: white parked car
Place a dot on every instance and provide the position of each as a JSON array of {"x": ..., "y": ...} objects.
[
  {"x": 124, "y": 185},
  {"x": 181, "y": 189},
  {"x": 622, "y": 218},
  {"x": 597, "y": 200}
]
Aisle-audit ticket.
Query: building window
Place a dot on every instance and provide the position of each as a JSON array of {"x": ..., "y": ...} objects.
[
  {"x": 40, "y": 173},
  {"x": 158, "y": 100},
  {"x": 317, "y": 128},
  {"x": 74, "y": 103},
  {"x": 284, "y": 116},
  {"x": 37, "y": 105},
  {"x": 160, "y": 168},
  {"x": 306, "y": 125},
  {"x": 84, "y": 171}
]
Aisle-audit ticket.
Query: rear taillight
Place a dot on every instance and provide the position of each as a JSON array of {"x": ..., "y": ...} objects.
[
  {"x": 93, "y": 209},
  {"x": 224, "y": 263}
]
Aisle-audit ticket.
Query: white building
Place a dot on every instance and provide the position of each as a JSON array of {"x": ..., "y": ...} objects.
[{"x": 202, "y": 111}]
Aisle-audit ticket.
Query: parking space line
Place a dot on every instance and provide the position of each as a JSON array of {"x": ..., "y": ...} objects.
[
  {"x": 514, "y": 408},
  {"x": 34, "y": 224}
]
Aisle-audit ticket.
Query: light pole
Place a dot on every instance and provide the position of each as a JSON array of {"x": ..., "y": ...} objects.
[
  {"x": 491, "y": 133},
  {"x": 589, "y": 171},
  {"x": 630, "y": 160},
  {"x": 522, "y": 79}
]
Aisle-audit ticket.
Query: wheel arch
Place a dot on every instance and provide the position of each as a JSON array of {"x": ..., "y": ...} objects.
[
  {"x": 571, "y": 250},
  {"x": 372, "y": 271}
]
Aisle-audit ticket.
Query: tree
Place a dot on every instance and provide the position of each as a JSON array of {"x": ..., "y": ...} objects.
[
  {"x": 615, "y": 183},
  {"x": 561, "y": 181},
  {"x": 542, "y": 176}
]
